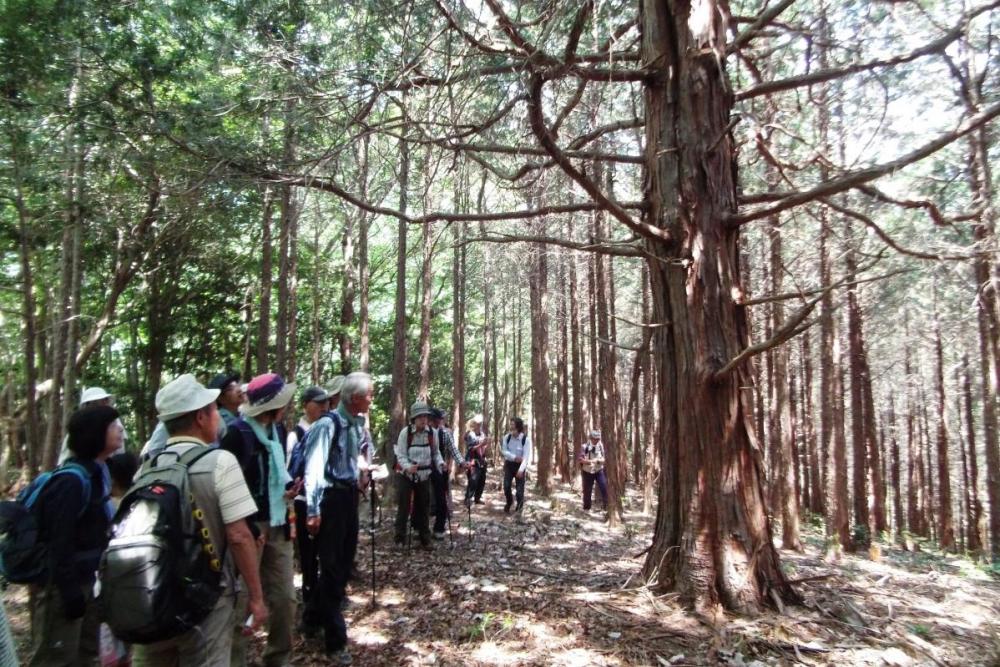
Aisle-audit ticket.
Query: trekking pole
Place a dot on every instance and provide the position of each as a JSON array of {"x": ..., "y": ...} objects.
[
  {"x": 409, "y": 514},
  {"x": 447, "y": 508},
  {"x": 371, "y": 529}
]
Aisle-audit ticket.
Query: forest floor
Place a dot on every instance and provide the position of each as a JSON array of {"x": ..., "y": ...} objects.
[{"x": 558, "y": 587}]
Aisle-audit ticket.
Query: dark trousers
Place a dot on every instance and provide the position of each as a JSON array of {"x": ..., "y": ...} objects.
[
  {"x": 421, "y": 496},
  {"x": 440, "y": 480},
  {"x": 308, "y": 562},
  {"x": 510, "y": 473},
  {"x": 339, "y": 513},
  {"x": 476, "y": 476},
  {"x": 588, "y": 487}
]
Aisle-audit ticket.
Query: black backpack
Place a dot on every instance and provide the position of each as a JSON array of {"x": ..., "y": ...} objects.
[
  {"x": 23, "y": 555},
  {"x": 160, "y": 575}
]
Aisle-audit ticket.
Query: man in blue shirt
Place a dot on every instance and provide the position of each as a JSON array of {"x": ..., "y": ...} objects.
[{"x": 331, "y": 484}]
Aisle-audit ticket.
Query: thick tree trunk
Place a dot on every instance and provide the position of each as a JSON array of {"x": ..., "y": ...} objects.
[{"x": 713, "y": 541}]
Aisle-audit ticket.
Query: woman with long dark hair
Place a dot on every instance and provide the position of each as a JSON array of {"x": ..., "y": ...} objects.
[{"x": 516, "y": 454}]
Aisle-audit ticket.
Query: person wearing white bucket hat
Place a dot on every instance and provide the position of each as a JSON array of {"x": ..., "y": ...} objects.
[
  {"x": 90, "y": 397},
  {"x": 188, "y": 411},
  {"x": 417, "y": 454},
  {"x": 257, "y": 439}
]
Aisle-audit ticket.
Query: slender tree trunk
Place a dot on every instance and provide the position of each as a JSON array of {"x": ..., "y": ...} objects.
[
  {"x": 397, "y": 396},
  {"x": 946, "y": 532},
  {"x": 349, "y": 292},
  {"x": 783, "y": 434},
  {"x": 576, "y": 356},
  {"x": 859, "y": 444},
  {"x": 318, "y": 281},
  {"x": 817, "y": 498},
  {"x": 33, "y": 443},
  {"x": 458, "y": 328},
  {"x": 541, "y": 392},
  {"x": 897, "y": 482},
  {"x": 838, "y": 502},
  {"x": 712, "y": 541},
  {"x": 566, "y": 441},
  {"x": 426, "y": 292},
  {"x": 266, "y": 281},
  {"x": 606, "y": 394},
  {"x": 977, "y": 525}
]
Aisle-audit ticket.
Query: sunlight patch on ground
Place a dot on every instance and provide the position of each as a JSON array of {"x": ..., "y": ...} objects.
[
  {"x": 578, "y": 657},
  {"x": 492, "y": 653}
]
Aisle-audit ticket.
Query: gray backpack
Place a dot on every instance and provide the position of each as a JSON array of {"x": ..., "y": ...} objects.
[{"x": 160, "y": 575}]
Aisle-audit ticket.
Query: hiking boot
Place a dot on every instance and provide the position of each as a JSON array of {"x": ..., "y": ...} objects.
[
  {"x": 506, "y": 508},
  {"x": 309, "y": 631},
  {"x": 480, "y": 502},
  {"x": 517, "y": 510},
  {"x": 468, "y": 503},
  {"x": 425, "y": 545},
  {"x": 438, "y": 536},
  {"x": 341, "y": 657}
]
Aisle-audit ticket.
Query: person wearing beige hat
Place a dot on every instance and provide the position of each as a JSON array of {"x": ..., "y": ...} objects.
[
  {"x": 417, "y": 454},
  {"x": 191, "y": 418},
  {"x": 257, "y": 439},
  {"x": 333, "y": 389}
]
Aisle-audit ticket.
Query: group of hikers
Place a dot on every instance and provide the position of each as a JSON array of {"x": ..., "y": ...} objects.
[{"x": 253, "y": 499}]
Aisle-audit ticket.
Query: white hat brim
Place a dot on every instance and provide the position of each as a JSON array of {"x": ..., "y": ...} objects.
[
  {"x": 280, "y": 400},
  {"x": 206, "y": 397}
]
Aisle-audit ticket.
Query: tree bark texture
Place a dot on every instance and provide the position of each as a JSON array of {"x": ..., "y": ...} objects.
[
  {"x": 946, "y": 525},
  {"x": 713, "y": 541}
]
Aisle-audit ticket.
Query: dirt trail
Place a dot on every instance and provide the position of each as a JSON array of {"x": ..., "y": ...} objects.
[{"x": 557, "y": 587}]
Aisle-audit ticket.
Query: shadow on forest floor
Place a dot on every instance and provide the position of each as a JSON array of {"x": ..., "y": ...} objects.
[{"x": 557, "y": 587}]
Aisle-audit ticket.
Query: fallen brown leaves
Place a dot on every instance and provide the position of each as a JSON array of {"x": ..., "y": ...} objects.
[{"x": 557, "y": 587}]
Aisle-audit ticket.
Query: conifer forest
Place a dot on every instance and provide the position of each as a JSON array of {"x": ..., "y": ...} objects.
[{"x": 753, "y": 242}]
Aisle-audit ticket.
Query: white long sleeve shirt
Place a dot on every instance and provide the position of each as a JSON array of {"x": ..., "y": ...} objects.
[{"x": 517, "y": 445}]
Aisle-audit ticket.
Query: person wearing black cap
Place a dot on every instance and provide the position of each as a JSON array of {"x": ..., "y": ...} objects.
[
  {"x": 439, "y": 478},
  {"x": 314, "y": 403},
  {"x": 231, "y": 395},
  {"x": 64, "y": 620}
]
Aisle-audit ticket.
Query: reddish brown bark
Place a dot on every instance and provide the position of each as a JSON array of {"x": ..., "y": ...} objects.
[
  {"x": 946, "y": 526},
  {"x": 713, "y": 541}
]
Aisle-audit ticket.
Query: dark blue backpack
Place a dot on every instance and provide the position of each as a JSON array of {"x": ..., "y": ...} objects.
[
  {"x": 23, "y": 556},
  {"x": 297, "y": 459}
]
